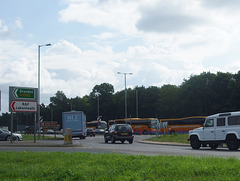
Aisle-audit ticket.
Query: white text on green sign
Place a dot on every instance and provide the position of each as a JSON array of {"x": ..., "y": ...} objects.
[{"x": 21, "y": 93}]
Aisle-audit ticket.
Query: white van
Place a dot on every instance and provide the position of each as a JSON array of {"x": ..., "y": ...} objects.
[{"x": 217, "y": 129}]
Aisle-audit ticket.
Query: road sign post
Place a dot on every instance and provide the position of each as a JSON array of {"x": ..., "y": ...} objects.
[{"x": 23, "y": 99}]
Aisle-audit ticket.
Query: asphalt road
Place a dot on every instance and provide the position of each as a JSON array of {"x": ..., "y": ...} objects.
[{"x": 97, "y": 145}]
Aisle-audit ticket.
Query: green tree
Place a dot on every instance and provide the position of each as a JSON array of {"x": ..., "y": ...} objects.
[
  {"x": 194, "y": 98},
  {"x": 220, "y": 93},
  {"x": 119, "y": 104},
  {"x": 102, "y": 94},
  {"x": 147, "y": 101},
  {"x": 234, "y": 86},
  {"x": 168, "y": 102},
  {"x": 58, "y": 105}
]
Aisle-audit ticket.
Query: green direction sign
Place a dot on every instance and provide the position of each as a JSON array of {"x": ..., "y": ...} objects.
[{"x": 24, "y": 93}]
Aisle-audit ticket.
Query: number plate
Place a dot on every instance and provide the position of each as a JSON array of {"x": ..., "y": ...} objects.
[{"x": 124, "y": 134}]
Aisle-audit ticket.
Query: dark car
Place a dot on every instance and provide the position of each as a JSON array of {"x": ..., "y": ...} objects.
[
  {"x": 6, "y": 135},
  {"x": 29, "y": 129},
  {"x": 119, "y": 132},
  {"x": 99, "y": 131},
  {"x": 90, "y": 132}
]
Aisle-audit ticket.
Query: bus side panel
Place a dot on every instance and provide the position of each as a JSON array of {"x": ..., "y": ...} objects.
[
  {"x": 181, "y": 125},
  {"x": 182, "y": 128},
  {"x": 141, "y": 129}
]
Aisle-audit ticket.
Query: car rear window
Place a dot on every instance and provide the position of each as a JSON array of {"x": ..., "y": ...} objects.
[{"x": 123, "y": 128}]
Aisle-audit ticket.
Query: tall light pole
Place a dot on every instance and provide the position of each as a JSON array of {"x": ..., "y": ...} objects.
[
  {"x": 125, "y": 81},
  {"x": 39, "y": 46},
  {"x": 97, "y": 94}
]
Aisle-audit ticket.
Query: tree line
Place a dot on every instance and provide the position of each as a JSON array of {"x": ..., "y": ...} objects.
[{"x": 200, "y": 95}]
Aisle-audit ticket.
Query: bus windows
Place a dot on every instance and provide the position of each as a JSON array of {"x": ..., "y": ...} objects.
[
  {"x": 97, "y": 124},
  {"x": 181, "y": 125}
]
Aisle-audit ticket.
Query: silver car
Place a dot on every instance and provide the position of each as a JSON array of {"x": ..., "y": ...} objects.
[{"x": 5, "y": 135}]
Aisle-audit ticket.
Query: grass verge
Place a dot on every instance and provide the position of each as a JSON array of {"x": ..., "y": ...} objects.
[
  {"x": 108, "y": 167},
  {"x": 31, "y": 137},
  {"x": 179, "y": 138}
]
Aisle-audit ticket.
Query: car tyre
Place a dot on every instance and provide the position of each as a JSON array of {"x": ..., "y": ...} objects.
[
  {"x": 8, "y": 138},
  {"x": 195, "y": 143},
  {"x": 232, "y": 143},
  {"x": 130, "y": 141},
  {"x": 106, "y": 141},
  {"x": 113, "y": 140}
]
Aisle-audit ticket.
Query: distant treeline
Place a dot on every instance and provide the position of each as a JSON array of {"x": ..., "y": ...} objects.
[{"x": 200, "y": 95}]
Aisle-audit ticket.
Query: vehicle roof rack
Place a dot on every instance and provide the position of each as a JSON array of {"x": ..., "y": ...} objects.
[{"x": 224, "y": 114}]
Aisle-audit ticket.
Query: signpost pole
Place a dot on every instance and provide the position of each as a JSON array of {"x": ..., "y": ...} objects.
[
  {"x": 35, "y": 119},
  {"x": 11, "y": 127},
  {"x": 23, "y": 99}
]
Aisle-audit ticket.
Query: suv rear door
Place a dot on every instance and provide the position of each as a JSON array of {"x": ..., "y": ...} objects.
[{"x": 221, "y": 129}]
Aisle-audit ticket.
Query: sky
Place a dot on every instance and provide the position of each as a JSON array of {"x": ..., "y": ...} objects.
[{"x": 159, "y": 41}]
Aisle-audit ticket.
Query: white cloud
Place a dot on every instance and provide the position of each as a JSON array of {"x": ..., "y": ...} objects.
[
  {"x": 233, "y": 4},
  {"x": 18, "y": 66},
  {"x": 70, "y": 69},
  {"x": 104, "y": 36},
  {"x": 18, "y": 23},
  {"x": 8, "y": 29},
  {"x": 168, "y": 16},
  {"x": 117, "y": 15},
  {"x": 4, "y": 30}
]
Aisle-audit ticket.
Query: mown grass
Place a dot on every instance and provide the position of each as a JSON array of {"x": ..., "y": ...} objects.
[
  {"x": 110, "y": 167},
  {"x": 31, "y": 137},
  {"x": 179, "y": 138}
]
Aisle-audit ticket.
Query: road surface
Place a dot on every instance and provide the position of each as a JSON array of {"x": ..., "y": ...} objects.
[{"x": 97, "y": 145}]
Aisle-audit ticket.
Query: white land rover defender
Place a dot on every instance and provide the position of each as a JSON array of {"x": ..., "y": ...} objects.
[{"x": 217, "y": 129}]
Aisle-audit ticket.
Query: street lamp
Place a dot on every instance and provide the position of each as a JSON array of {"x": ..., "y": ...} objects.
[
  {"x": 97, "y": 94},
  {"x": 125, "y": 80},
  {"x": 39, "y": 46}
]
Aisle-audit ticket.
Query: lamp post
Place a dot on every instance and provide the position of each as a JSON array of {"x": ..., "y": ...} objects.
[
  {"x": 39, "y": 46},
  {"x": 97, "y": 94},
  {"x": 125, "y": 81}
]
